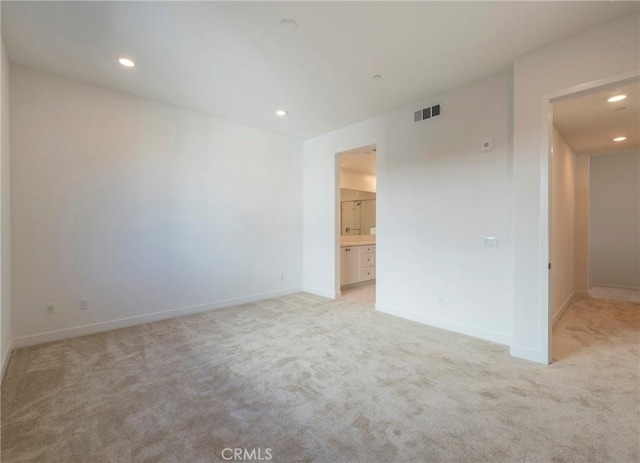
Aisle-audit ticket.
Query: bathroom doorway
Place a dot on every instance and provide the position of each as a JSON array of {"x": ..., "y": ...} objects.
[{"x": 357, "y": 217}]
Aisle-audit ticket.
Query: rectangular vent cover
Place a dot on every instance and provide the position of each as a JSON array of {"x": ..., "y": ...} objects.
[{"x": 426, "y": 113}]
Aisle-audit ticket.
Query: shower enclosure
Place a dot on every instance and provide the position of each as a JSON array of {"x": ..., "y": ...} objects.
[{"x": 358, "y": 217}]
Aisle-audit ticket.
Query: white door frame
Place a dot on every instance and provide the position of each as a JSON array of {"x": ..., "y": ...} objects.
[
  {"x": 545, "y": 190},
  {"x": 337, "y": 205}
]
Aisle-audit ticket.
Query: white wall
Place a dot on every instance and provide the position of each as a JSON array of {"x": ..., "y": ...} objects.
[
  {"x": 614, "y": 224},
  {"x": 582, "y": 225},
  {"x": 563, "y": 205},
  {"x": 5, "y": 216},
  {"x": 438, "y": 197},
  {"x": 595, "y": 55},
  {"x": 142, "y": 209},
  {"x": 354, "y": 180}
]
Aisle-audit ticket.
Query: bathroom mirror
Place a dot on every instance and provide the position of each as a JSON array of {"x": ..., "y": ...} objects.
[{"x": 357, "y": 212}]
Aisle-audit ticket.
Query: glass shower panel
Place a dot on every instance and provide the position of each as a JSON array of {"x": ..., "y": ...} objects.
[
  {"x": 351, "y": 212},
  {"x": 367, "y": 216},
  {"x": 358, "y": 217}
]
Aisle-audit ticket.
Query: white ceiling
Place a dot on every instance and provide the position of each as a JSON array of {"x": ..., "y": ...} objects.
[
  {"x": 589, "y": 122},
  {"x": 233, "y": 60},
  {"x": 360, "y": 160}
]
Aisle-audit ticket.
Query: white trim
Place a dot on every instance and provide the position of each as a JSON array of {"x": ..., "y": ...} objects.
[
  {"x": 5, "y": 360},
  {"x": 544, "y": 319},
  {"x": 635, "y": 288},
  {"x": 337, "y": 223},
  {"x": 147, "y": 318},
  {"x": 448, "y": 325},
  {"x": 546, "y": 334},
  {"x": 563, "y": 308},
  {"x": 594, "y": 85},
  {"x": 359, "y": 284},
  {"x": 321, "y": 292},
  {"x": 529, "y": 354},
  {"x": 337, "y": 213}
]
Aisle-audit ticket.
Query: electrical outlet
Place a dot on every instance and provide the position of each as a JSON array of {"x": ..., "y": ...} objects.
[
  {"x": 84, "y": 304},
  {"x": 282, "y": 276},
  {"x": 441, "y": 300},
  {"x": 50, "y": 309}
]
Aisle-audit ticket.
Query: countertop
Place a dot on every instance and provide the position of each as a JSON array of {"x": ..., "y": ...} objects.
[{"x": 358, "y": 243}]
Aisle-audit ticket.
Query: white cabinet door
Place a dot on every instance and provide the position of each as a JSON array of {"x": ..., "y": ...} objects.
[
  {"x": 367, "y": 273},
  {"x": 343, "y": 266},
  {"x": 357, "y": 263},
  {"x": 367, "y": 259},
  {"x": 353, "y": 264}
]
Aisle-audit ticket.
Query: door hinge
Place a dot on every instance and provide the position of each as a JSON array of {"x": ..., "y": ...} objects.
[{"x": 549, "y": 265}]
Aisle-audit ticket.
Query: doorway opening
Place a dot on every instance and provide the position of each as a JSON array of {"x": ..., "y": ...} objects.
[
  {"x": 594, "y": 197},
  {"x": 356, "y": 201}
]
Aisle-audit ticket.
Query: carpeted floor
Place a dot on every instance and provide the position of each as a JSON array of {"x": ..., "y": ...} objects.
[
  {"x": 621, "y": 294},
  {"x": 302, "y": 378}
]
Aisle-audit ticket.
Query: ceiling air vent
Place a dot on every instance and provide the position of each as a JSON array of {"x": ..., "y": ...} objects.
[{"x": 426, "y": 113}]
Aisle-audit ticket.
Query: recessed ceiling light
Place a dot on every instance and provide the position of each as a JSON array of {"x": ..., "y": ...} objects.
[
  {"x": 377, "y": 77},
  {"x": 615, "y": 98},
  {"x": 289, "y": 24},
  {"x": 281, "y": 112},
  {"x": 620, "y": 139},
  {"x": 126, "y": 62}
]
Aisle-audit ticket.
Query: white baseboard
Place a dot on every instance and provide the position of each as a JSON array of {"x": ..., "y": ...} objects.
[
  {"x": 5, "y": 360},
  {"x": 322, "y": 292},
  {"x": 49, "y": 336},
  {"x": 558, "y": 315},
  {"x": 603, "y": 285},
  {"x": 529, "y": 354},
  {"x": 360, "y": 284},
  {"x": 448, "y": 325}
]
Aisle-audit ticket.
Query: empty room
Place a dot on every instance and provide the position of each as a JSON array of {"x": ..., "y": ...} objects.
[{"x": 319, "y": 232}]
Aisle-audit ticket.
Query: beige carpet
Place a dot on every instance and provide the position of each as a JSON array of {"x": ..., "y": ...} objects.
[{"x": 326, "y": 381}]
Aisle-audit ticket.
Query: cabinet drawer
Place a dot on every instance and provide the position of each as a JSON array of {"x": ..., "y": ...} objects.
[
  {"x": 367, "y": 259},
  {"x": 371, "y": 248},
  {"x": 367, "y": 273}
]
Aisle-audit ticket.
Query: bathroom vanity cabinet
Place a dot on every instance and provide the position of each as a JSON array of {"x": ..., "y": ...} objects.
[{"x": 357, "y": 263}]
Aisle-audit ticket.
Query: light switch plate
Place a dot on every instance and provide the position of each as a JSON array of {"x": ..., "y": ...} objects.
[{"x": 491, "y": 242}]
